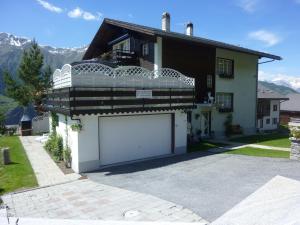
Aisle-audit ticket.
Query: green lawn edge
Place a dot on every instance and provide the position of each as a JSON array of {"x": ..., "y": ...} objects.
[
  {"x": 249, "y": 151},
  {"x": 274, "y": 140},
  {"x": 19, "y": 174}
]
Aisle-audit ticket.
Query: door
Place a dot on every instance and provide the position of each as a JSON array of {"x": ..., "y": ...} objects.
[{"x": 126, "y": 138}]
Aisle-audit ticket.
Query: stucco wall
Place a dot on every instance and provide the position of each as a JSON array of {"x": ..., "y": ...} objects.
[
  {"x": 69, "y": 137},
  {"x": 85, "y": 144},
  {"x": 273, "y": 114},
  {"x": 243, "y": 86}
]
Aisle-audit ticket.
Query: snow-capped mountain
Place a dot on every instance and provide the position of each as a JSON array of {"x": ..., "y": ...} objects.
[
  {"x": 291, "y": 82},
  {"x": 12, "y": 47}
]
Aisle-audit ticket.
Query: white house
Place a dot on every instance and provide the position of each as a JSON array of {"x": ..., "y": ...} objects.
[
  {"x": 126, "y": 114},
  {"x": 130, "y": 108},
  {"x": 268, "y": 108}
]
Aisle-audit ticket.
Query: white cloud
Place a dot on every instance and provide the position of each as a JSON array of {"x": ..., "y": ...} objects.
[
  {"x": 265, "y": 36},
  {"x": 281, "y": 79},
  {"x": 49, "y": 6},
  {"x": 130, "y": 15},
  {"x": 249, "y": 6},
  {"x": 80, "y": 13}
]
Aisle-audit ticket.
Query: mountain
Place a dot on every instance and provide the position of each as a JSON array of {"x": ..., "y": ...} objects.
[
  {"x": 12, "y": 47},
  {"x": 281, "y": 89}
]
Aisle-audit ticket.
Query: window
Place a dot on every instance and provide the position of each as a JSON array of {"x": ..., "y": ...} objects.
[
  {"x": 274, "y": 121},
  {"x": 275, "y": 108},
  {"x": 209, "y": 81},
  {"x": 261, "y": 122},
  {"x": 123, "y": 45},
  {"x": 224, "y": 102},
  {"x": 268, "y": 121},
  {"x": 224, "y": 67},
  {"x": 145, "y": 49}
]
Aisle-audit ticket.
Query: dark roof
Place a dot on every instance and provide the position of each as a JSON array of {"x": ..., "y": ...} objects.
[
  {"x": 158, "y": 32},
  {"x": 265, "y": 93},
  {"x": 293, "y": 104}
]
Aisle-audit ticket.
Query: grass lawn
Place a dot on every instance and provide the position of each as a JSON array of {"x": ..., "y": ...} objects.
[
  {"x": 275, "y": 139},
  {"x": 259, "y": 152},
  {"x": 205, "y": 145},
  {"x": 18, "y": 174}
]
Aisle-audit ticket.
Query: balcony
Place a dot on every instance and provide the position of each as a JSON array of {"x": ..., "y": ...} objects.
[
  {"x": 92, "y": 88},
  {"x": 121, "y": 57}
]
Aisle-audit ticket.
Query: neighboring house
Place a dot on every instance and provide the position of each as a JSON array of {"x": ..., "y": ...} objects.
[
  {"x": 268, "y": 108},
  {"x": 136, "y": 108},
  {"x": 290, "y": 109}
]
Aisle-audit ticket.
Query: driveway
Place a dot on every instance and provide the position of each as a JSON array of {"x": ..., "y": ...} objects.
[{"x": 208, "y": 184}]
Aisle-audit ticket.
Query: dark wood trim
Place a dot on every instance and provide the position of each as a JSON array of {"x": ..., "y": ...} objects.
[
  {"x": 172, "y": 133},
  {"x": 70, "y": 101}
]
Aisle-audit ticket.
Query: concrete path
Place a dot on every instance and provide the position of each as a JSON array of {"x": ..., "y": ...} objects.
[
  {"x": 85, "y": 199},
  {"x": 45, "y": 169},
  {"x": 276, "y": 203}
]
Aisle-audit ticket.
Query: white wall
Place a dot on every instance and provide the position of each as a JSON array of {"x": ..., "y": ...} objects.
[
  {"x": 243, "y": 86},
  {"x": 273, "y": 114},
  {"x": 158, "y": 53},
  {"x": 69, "y": 137}
]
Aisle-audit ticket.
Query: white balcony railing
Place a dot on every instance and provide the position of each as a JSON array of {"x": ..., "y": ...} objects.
[{"x": 99, "y": 75}]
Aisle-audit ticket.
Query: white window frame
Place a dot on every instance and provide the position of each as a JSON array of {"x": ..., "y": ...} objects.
[
  {"x": 145, "y": 49},
  {"x": 125, "y": 43},
  {"x": 224, "y": 100},
  {"x": 225, "y": 67}
]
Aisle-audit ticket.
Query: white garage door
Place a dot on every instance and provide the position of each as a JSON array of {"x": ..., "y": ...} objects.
[{"x": 127, "y": 138}]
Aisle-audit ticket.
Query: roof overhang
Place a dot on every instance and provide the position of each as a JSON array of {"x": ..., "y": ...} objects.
[{"x": 174, "y": 35}]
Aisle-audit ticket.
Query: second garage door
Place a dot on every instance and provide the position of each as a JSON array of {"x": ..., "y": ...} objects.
[{"x": 127, "y": 138}]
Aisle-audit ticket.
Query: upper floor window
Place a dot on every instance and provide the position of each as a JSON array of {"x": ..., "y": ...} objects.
[
  {"x": 275, "y": 108},
  {"x": 209, "y": 81},
  {"x": 145, "y": 49},
  {"x": 123, "y": 45},
  {"x": 224, "y": 102},
  {"x": 224, "y": 67}
]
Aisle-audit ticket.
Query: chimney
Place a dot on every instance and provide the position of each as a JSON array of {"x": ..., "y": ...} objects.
[
  {"x": 165, "y": 21},
  {"x": 189, "y": 29}
]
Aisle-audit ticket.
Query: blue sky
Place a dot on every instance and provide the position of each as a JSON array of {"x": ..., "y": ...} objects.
[{"x": 265, "y": 25}]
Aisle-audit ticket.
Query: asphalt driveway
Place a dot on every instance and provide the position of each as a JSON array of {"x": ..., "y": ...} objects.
[{"x": 207, "y": 184}]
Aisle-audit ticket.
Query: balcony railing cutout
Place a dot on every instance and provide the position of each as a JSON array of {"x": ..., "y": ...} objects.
[{"x": 100, "y": 75}]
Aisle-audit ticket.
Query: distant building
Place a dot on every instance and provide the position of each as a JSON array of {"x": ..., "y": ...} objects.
[
  {"x": 290, "y": 108},
  {"x": 268, "y": 108}
]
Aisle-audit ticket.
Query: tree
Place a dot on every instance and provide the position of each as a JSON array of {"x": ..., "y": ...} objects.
[{"x": 32, "y": 81}]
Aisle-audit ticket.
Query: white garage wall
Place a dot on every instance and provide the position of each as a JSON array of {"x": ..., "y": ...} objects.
[
  {"x": 88, "y": 144},
  {"x": 85, "y": 144},
  {"x": 91, "y": 160},
  {"x": 180, "y": 132}
]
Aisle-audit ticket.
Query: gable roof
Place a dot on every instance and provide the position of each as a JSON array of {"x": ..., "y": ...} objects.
[
  {"x": 265, "y": 93},
  {"x": 293, "y": 104},
  {"x": 166, "y": 34}
]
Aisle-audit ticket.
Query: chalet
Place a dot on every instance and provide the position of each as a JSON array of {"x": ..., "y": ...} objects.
[
  {"x": 140, "y": 91},
  {"x": 268, "y": 108},
  {"x": 290, "y": 109}
]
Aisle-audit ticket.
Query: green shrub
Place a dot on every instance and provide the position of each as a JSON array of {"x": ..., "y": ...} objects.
[
  {"x": 67, "y": 156},
  {"x": 295, "y": 132},
  {"x": 58, "y": 149},
  {"x": 50, "y": 143},
  {"x": 54, "y": 145}
]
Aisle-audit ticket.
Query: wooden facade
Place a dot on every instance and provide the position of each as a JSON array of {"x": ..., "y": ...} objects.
[
  {"x": 194, "y": 60},
  {"x": 80, "y": 101}
]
